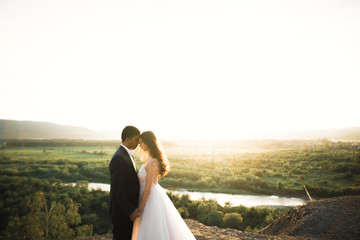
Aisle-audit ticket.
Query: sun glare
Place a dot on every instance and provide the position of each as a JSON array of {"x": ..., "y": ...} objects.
[{"x": 186, "y": 69}]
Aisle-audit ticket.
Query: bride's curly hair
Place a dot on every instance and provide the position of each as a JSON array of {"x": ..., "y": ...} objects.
[{"x": 155, "y": 151}]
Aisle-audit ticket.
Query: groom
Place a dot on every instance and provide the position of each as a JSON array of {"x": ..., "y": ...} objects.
[{"x": 124, "y": 189}]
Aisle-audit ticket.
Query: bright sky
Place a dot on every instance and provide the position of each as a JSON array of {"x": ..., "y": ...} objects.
[{"x": 186, "y": 69}]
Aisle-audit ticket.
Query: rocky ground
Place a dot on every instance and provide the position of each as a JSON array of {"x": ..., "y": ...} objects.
[
  {"x": 328, "y": 219},
  {"x": 202, "y": 232}
]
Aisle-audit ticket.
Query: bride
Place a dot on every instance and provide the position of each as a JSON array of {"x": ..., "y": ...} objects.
[{"x": 159, "y": 218}]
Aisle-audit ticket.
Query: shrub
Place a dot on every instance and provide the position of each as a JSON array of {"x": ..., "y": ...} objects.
[
  {"x": 183, "y": 212},
  {"x": 259, "y": 174},
  {"x": 215, "y": 218},
  {"x": 206, "y": 207},
  {"x": 232, "y": 220}
]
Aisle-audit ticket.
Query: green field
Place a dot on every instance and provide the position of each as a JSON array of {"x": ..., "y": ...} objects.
[
  {"x": 70, "y": 164},
  {"x": 258, "y": 167}
]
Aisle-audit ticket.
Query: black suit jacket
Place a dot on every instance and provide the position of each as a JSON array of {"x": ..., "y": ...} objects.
[{"x": 125, "y": 187}]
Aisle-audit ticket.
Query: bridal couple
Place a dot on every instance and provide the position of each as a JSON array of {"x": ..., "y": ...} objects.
[{"x": 139, "y": 207}]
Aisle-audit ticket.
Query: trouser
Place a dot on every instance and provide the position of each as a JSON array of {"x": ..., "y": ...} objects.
[{"x": 122, "y": 227}]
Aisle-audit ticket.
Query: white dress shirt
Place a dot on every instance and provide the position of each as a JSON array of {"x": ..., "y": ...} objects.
[{"x": 130, "y": 154}]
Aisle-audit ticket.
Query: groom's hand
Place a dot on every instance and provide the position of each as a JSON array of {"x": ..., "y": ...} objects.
[{"x": 135, "y": 214}]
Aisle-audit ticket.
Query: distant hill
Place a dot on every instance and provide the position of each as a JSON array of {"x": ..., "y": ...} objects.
[
  {"x": 11, "y": 129},
  {"x": 352, "y": 134}
]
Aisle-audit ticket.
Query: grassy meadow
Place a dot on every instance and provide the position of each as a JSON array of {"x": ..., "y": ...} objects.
[
  {"x": 259, "y": 167},
  {"x": 43, "y": 168}
]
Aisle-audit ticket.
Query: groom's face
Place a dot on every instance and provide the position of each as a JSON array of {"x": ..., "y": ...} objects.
[{"x": 134, "y": 142}]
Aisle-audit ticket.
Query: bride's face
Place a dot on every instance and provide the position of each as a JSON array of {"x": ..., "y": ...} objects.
[{"x": 143, "y": 146}]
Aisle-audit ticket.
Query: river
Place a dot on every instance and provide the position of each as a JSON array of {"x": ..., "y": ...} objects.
[{"x": 234, "y": 199}]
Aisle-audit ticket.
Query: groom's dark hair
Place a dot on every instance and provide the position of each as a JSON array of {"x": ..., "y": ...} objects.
[{"x": 129, "y": 132}]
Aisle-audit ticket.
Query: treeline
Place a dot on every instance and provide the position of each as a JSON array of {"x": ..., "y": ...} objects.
[
  {"x": 48, "y": 209},
  {"x": 57, "y": 143},
  {"x": 209, "y": 212}
]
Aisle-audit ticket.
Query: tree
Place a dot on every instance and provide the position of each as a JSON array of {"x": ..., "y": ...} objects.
[{"x": 60, "y": 222}]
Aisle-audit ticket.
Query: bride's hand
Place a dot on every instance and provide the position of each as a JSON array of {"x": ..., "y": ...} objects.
[{"x": 141, "y": 211}]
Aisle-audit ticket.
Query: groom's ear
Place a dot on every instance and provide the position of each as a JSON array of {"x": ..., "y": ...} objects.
[{"x": 126, "y": 140}]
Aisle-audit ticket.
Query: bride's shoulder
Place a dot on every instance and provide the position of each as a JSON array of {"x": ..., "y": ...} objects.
[{"x": 153, "y": 162}]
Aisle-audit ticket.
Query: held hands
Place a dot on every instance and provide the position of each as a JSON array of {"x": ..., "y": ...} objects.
[
  {"x": 141, "y": 211},
  {"x": 135, "y": 214}
]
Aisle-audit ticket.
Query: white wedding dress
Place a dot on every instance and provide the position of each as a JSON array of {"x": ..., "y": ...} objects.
[{"x": 160, "y": 219}]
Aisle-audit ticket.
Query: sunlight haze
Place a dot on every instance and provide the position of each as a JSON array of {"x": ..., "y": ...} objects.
[{"x": 184, "y": 69}]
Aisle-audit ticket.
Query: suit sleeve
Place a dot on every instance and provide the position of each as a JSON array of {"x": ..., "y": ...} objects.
[{"x": 117, "y": 169}]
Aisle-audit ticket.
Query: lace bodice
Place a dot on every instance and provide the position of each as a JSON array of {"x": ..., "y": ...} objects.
[{"x": 142, "y": 176}]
